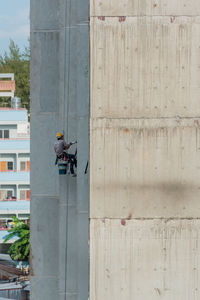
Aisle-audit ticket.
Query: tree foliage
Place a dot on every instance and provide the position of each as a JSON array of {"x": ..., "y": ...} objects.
[
  {"x": 20, "y": 249},
  {"x": 18, "y": 62}
]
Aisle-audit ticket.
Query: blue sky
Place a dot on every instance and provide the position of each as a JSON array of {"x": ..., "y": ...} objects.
[{"x": 14, "y": 23}]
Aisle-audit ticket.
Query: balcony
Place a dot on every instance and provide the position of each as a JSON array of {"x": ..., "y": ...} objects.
[
  {"x": 14, "y": 177},
  {"x": 21, "y": 209},
  {"x": 11, "y": 207},
  {"x": 12, "y": 115},
  {"x": 14, "y": 145},
  {"x": 3, "y": 234}
]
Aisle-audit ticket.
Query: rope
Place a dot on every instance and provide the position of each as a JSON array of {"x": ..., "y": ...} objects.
[{"x": 67, "y": 118}]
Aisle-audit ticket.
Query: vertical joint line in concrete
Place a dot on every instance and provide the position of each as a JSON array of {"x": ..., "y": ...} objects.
[{"x": 67, "y": 14}]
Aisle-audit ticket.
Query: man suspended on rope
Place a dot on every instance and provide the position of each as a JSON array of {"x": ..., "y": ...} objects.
[{"x": 60, "y": 148}]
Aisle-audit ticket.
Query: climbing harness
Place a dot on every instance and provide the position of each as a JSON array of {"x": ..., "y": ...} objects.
[{"x": 67, "y": 162}]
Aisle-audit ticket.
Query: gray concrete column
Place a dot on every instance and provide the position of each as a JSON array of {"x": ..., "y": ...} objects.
[{"x": 59, "y": 101}]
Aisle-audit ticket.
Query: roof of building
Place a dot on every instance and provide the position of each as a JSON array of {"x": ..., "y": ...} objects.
[
  {"x": 5, "y": 298},
  {"x": 3, "y": 235},
  {"x": 14, "y": 205},
  {"x": 6, "y": 258},
  {"x": 10, "y": 114},
  {"x": 10, "y": 286},
  {"x": 14, "y": 177},
  {"x": 15, "y": 144}
]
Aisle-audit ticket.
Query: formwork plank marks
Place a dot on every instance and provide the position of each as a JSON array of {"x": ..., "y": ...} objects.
[
  {"x": 144, "y": 168},
  {"x": 144, "y": 259},
  {"x": 145, "y": 67},
  {"x": 144, "y": 7}
]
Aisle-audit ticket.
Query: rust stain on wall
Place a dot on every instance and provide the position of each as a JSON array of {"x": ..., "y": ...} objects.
[
  {"x": 122, "y": 19},
  {"x": 123, "y": 222},
  {"x": 31, "y": 263},
  {"x": 145, "y": 143}
]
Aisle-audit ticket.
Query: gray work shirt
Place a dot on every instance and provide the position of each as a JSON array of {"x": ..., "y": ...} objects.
[{"x": 59, "y": 146}]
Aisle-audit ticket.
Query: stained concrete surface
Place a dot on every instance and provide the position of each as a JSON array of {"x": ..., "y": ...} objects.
[{"x": 144, "y": 150}]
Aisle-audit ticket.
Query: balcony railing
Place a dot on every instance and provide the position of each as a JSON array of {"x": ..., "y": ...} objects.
[
  {"x": 15, "y": 144},
  {"x": 23, "y": 176},
  {"x": 12, "y": 199},
  {"x": 18, "y": 138},
  {"x": 10, "y": 206},
  {"x": 14, "y": 171}
]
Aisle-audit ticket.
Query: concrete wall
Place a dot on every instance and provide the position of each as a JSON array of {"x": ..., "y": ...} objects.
[
  {"x": 144, "y": 150},
  {"x": 59, "y": 102}
]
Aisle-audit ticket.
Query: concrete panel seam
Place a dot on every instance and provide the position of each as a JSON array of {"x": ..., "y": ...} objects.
[
  {"x": 146, "y": 219},
  {"x": 67, "y": 293},
  {"x": 147, "y": 16},
  {"x": 75, "y": 26},
  {"x": 44, "y": 276},
  {"x": 82, "y": 212},
  {"x": 44, "y": 196},
  {"x": 146, "y": 118},
  {"x": 59, "y": 29},
  {"x": 44, "y": 113},
  {"x": 68, "y": 205},
  {"x": 45, "y": 30}
]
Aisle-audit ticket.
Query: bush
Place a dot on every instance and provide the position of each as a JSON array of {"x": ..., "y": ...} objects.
[{"x": 20, "y": 249}]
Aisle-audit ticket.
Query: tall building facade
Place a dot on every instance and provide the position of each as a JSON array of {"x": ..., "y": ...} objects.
[{"x": 144, "y": 149}]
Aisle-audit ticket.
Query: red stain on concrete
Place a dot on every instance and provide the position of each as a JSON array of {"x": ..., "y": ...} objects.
[
  {"x": 123, "y": 222},
  {"x": 126, "y": 130},
  {"x": 31, "y": 263},
  {"x": 122, "y": 19},
  {"x": 102, "y": 18},
  {"x": 172, "y": 19}
]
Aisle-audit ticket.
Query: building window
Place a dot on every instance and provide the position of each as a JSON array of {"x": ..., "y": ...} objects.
[
  {"x": 10, "y": 165},
  {"x": 6, "y": 166},
  {"x": 25, "y": 166},
  {"x": 25, "y": 195},
  {"x": 2, "y": 194},
  {"x": 22, "y": 165},
  {"x": 9, "y": 194},
  {"x": 4, "y": 134},
  {"x": 3, "y": 166}
]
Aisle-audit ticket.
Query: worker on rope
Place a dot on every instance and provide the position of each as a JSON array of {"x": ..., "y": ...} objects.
[{"x": 60, "y": 148}]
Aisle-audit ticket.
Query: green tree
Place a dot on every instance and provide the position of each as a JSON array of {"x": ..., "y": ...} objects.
[
  {"x": 18, "y": 62},
  {"x": 20, "y": 249}
]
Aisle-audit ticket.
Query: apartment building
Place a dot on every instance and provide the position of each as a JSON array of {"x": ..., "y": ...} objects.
[{"x": 14, "y": 153}]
